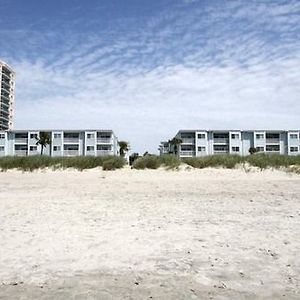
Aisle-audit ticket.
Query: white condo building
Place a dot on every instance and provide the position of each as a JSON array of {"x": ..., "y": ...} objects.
[
  {"x": 92, "y": 142},
  {"x": 7, "y": 96},
  {"x": 195, "y": 143}
]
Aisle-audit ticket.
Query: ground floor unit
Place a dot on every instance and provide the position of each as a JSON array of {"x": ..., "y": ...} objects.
[
  {"x": 194, "y": 143},
  {"x": 93, "y": 142}
]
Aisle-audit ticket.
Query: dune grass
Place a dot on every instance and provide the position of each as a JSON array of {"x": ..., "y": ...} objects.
[
  {"x": 154, "y": 162},
  {"x": 260, "y": 160},
  {"x": 30, "y": 163}
]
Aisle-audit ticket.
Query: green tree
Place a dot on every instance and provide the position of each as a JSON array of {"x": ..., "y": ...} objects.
[
  {"x": 175, "y": 142},
  {"x": 252, "y": 150},
  {"x": 124, "y": 147},
  {"x": 43, "y": 139}
]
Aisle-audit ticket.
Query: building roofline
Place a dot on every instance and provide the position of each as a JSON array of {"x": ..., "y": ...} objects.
[
  {"x": 51, "y": 130},
  {"x": 3, "y": 63},
  {"x": 241, "y": 130}
]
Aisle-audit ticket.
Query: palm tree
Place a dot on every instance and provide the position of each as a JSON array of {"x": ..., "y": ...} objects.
[
  {"x": 252, "y": 150},
  {"x": 43, "y": 140},
  {"x": 124, "y": 147},
  {"x": 175, "y": 142}
]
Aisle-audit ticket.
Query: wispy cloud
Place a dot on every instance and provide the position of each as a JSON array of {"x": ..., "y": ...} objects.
[{"x": 194, "y": 64}]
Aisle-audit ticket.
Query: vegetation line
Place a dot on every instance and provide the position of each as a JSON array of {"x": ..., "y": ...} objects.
[{"x": 262, "y": 161}]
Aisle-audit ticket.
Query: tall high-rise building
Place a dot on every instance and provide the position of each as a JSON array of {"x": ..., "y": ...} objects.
[{"x": 7, "y": 96}]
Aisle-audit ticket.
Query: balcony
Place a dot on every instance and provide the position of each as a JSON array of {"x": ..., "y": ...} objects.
[
  {"x": 221, "y": 140},
  {"x": 20, "y": 152},
  {"x": 273, "y": 141},
  {"x": 71, "y": 140},
  {"x": 188, "y": 141},
  {"x": 5, "y": 87},
  {"x": 104, "y": 140},
  {"x": 21, "y": 140},
  {"x": 4, "y": 117},
  {"x": 71, "y": 152},
  {"x": 222, "y": 151},
  {"x": 104, "y": 152},
  {"x": 187, "y": 153},
  {"x": 6, "y": 74}
]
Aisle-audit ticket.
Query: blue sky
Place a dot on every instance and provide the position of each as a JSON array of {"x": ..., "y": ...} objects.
[{"x": 148, "y": 68}]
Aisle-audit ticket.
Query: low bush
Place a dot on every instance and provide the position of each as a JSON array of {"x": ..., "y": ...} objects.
[
  {"x": 170, "y": 161},
  {"x": 147, "y": 162},
  {"x": 226, "y": 161},
  {"x": 113, "y": 163}
]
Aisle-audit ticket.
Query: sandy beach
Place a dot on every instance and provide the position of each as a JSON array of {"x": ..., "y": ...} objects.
[{"x": 153, "y": 234}]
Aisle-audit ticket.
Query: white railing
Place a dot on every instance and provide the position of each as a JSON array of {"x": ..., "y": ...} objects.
[
  {"x": 221, "y": 151},
  {"x": 71, "y": 140},
  {"x": 103, "y": 141},
  {"x": 272, "y": 141},
  {"x": 221, "y": 140},
  {"x": 188, "y": 141},
  {"x": 21, "y": 141},
  {"x": 21, "y": 152},
  {"x": 104, "y": 152},
  {"x": 187, "y": 153},
  {"x": 71, "y": 152}
]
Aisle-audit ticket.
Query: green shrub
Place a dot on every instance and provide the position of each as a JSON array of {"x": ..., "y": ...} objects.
[
  {"x": 226, "y": 161},
  {"x": 170, "y": 161},
  {"x": 147, "y": 162},
  {"x": 30, "y": 163},
  {"x": 113, "y": 163}
]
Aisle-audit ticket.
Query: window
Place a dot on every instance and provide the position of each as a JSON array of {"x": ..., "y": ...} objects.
[
  {"x": 293, "y": 136},
  {"x": 260, "y": 149},
  {"x": 56, "y": 148},
  {"x": 33, "y": 135},
  {"x": 235, "y": 149},
  {"x": 272, "y": 148},
  {"x": 201, "y": 135},
  {"x": 235, "y": 136},
  {"x": 90, "y": 148},
  {"x": 90, "y": 136},
  {"x": 2, "y": 136},
  {"x": 57, "y": 135},
  {"x": 1, "y": 148},
  {"x": 33, "y": 148},
  {"x": 259, "y": 136},
  {"x": 201, "y": 149},
  {"x": 294, "y": 149}
]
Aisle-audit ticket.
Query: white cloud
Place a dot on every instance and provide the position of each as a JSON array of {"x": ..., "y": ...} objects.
[{"x": 209, "y": 67}]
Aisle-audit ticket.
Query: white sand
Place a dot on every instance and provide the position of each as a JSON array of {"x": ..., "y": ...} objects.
[{"x": 128, "y": 234}]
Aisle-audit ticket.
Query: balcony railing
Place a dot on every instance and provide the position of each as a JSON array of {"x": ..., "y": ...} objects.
[
  {"x": 5, "y": 87},
  {"x": 188, "y": 141},
  {"x": 272, "y": 141},
  {"x": 221, "y": 140},
  {"x": 221, "y": 151},
  {"x": 6, "y": 74},
  {"x": 71, "y": 152},
  {"x": 21, "y": 152},
  {"x": 103, "y": 141},
  {"x": 104, "y": 152},
  {"x": 187, "y": 153},
  {"x": 4, "y": 117},
  {"x": 21, "y": 140},
  {"x": 71, "y": 140}
]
